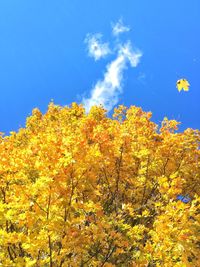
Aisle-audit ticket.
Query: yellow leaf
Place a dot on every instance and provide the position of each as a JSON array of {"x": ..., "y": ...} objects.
[{"x": 182, "y": 84}]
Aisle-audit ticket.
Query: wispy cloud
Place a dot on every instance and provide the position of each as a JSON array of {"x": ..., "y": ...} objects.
[
  {"x": 107, "y": 90},
  {"x": 119, "y": 28},
  {"x": 96, "y": 48}
]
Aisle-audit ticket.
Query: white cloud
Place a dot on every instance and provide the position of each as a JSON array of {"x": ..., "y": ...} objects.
[
  {"x": 119, "y": 27},
  {"x": 106, "y": 91},
  {"x": 96, "y": 48},
  {"x": 133, "y": 56}
]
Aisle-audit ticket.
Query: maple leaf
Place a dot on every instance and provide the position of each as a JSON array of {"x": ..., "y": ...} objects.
[{"x": 182, "y": 84}]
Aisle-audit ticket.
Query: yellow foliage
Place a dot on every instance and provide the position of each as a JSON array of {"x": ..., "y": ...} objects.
[{"x": 81, "y": 189}]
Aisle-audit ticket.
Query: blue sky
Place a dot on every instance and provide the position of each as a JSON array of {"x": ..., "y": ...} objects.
[{"x": 44, "y": 55}]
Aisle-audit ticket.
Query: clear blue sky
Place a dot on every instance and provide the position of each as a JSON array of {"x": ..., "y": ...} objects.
[{"x": 43, "y": 55}]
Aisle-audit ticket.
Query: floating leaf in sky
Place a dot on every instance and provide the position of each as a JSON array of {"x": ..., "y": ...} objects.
[{"x": 182, "y": 84}]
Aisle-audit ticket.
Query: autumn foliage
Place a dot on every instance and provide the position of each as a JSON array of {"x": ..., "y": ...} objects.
[{"x": 81, "y": 189}]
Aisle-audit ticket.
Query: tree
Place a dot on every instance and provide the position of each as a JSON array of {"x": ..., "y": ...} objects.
[{"x": 81, "y": 189}]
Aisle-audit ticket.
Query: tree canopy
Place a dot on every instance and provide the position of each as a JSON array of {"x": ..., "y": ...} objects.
[{"x": 81, "y": 189}]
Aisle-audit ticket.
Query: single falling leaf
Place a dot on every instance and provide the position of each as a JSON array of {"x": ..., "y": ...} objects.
[{"x": 182, "y": 84}]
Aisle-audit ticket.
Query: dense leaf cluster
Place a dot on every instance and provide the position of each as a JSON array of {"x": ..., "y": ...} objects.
[{"x": 81, "y": 189}]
